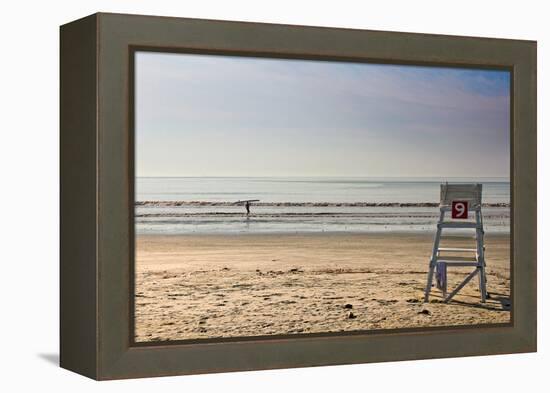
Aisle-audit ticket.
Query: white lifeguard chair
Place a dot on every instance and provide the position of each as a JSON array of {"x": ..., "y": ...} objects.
[{"x": 455, "y": 199}]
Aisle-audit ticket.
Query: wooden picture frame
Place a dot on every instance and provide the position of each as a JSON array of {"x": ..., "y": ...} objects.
[{"x": 97, "y": 172}]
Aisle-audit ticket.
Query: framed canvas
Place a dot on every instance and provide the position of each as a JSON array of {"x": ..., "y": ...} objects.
[{"x": 244, "y": 196}]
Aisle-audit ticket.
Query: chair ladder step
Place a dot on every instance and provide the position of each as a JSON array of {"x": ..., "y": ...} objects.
[
  {"x": 451, "y": 249},
  {"x": 452, "y": 224},
  {"x": 455, "y": 263}
]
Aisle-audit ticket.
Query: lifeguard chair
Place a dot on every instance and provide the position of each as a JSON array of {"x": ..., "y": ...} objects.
[{"x": 459, "y": 200}]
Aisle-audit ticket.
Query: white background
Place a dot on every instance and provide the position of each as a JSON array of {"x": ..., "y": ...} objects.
[{"x": 29, "y": 165}]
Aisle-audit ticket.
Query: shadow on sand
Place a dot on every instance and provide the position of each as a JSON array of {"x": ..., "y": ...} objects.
[{"x": 495, "y": 302}]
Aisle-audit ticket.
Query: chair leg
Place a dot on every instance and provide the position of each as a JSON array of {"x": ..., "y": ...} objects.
[
  {"x": 429, "y": 282},
  {"x": 481, "y": 256},
  {"x": 482, "y": 282},
  {"x": 433, "y": 259}
]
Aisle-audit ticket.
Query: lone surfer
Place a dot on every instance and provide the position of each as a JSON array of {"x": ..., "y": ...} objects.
[{"x": 246, "y": 204}]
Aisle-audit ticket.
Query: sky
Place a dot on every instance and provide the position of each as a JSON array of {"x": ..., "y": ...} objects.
[{"x": 206, "y": 115}]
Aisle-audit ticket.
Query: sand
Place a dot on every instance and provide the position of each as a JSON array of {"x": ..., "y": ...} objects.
[{"x": 212, "y": 286}]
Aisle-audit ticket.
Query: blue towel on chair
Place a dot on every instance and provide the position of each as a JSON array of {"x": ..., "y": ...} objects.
[{"x": 441, "y": 276}]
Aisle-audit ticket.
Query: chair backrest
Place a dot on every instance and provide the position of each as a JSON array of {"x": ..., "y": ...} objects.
[{"x": 470, "y": 192}]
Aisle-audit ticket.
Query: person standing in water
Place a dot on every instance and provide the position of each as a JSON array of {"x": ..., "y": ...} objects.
[{"x": 247, "y": 206}]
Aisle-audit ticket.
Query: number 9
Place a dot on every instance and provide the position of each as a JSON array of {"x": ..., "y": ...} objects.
[{"x": 460, "y": 209}]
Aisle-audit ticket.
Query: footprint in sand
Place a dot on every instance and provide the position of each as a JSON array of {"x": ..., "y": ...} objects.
[{"x": 386, "y": 302}]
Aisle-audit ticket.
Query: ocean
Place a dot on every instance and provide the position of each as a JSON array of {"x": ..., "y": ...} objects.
[{"x": 206, "y": 205}]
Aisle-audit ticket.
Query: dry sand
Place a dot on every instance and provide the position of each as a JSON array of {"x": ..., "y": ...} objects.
[{"x": 193, "y": 287}]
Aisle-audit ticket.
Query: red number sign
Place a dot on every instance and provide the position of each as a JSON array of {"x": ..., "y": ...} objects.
[{"x": 459, "y": 209}]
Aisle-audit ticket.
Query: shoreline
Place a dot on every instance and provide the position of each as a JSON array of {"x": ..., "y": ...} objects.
[{"x": 174, "y": 203}]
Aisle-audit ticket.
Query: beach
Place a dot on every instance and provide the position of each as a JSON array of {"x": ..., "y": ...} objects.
[{"x": 200, "y": 286}]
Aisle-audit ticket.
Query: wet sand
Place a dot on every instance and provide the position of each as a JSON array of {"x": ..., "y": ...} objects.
[{"x": 210, "y": 286}]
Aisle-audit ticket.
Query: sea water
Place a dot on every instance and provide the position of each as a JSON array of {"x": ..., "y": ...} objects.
[{"x": 204, "y": 205}]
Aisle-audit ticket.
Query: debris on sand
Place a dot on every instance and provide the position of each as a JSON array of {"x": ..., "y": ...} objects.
[
  {"x": 203, "y": 320},
  {"x": 425, "y": 312},
  {"x": 351, "y": 315},
  {"x": 348, "y": 306}
]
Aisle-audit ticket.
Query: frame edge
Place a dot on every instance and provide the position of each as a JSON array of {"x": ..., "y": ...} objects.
[
  {"x": 78, "y": 197},
  {"x": 117, "y": 359}
]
